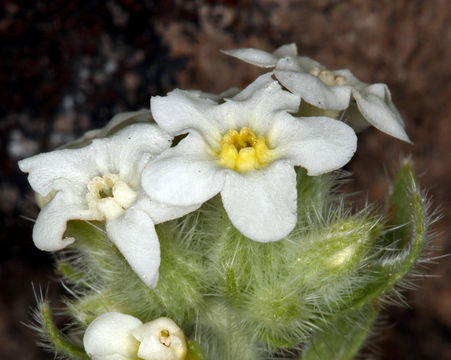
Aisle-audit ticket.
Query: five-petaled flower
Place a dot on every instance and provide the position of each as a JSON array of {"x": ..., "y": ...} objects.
[
  {"x": 246, "y": 149},
  {"x": 330, "y": 90},
  {"x": 101, "y": 181},
  {"x": 117, "y": 336}
]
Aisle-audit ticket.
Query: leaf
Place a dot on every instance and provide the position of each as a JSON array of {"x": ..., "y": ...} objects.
[
  {"x": 399, "y": 249},
  {"x": 343, "y": 338}
]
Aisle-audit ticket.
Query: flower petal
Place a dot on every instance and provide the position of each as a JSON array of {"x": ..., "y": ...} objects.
[
  {"x": 308, "y": 64},
  {"x": 351, "y": 79},
  {"x": 134, "y": 235},
  {"x": 118, "y": 122},
  {"x": 254, "y": 56},
  {"x": 49, "y": 228},
  {"x": 301, "y": 64},
  {"x": 286, "y": 50},
  {"x": 314, "y": 91},
  {"x": 181, "y": 111},
  {"x": 153, "y": 348},
  {"x": 377, "y": 111},
  {"x": 262, "y": 204},
  {"x": 184, "y": 175},
  {"x": 121, "y": 120},
  {"x": 257, "y": 107},
  {"x": 259, "y": 83},
  {"x": 46, "y": 170},
  {"x": 289, "y": 63},
  {"x": 160, "y": 212},
  {"x": 109, "y": 337},
  {"x": 319, "y": 144},
  {"x": 215, "y": 97},
  {"x": 125, "y": 154},
  {"x": 128, "y": 151}
]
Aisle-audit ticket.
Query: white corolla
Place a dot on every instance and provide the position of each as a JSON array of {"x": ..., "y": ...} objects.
[
  {"x": 330, "y": 90},
  {"x": 117, "y": 336},
  {"x": 246, "y": 149},
  {"x": 102, "y": 181},
  {"x": 117, "y": 122}
]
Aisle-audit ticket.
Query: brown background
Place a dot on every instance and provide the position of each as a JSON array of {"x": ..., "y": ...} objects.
[{"x": 67, "y": 66}]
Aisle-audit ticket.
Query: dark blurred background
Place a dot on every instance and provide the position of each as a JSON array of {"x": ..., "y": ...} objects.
[{"x": 68, "y": 66}]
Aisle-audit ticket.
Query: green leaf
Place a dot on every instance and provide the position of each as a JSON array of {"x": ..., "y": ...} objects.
[
  {"x": 343, "y": 338},
  {"x": 399, "y": 249}
]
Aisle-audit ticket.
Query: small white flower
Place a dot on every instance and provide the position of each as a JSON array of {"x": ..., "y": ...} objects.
[
  {"x": 109, "y": 337},
  {"x": 245, "y": 149},
  {"x": 330, "y": 90},
  {"x": 116, "y": 336},
  {"x": 102, "y": 182}
]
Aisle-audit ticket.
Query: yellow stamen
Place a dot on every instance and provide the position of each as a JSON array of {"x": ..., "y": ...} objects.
[
  {"x": 243, "y": 151},
  {"x": 247, "y": 160}
]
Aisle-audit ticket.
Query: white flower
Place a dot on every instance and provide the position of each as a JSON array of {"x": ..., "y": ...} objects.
[
  {"x": 102, "y": 182},
  {"x": 245, "y": 149},
  {"x": 116, "y": 336},
  {"x": 330, "y": 90}
]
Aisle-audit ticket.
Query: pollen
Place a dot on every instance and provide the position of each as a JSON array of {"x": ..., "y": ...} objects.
[{"x": 244, "y": 151}]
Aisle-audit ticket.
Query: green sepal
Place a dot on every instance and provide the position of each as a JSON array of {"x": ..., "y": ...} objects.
[
  {"x": 403, "y": 205},
  {"x": 85, "y": 309},
  {"x": 343, "y": 337},
  {"x": 107, "y": 276},
  {"x": 194, "y": 351},
  {"x": 69, "y": 272},
  {"x": 397, "y": 252},
  {"x": 58, "y": 340}
]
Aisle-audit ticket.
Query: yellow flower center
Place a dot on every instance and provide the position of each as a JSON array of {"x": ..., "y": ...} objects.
[
  {"x": 108, "y": 196},
  {"x": 328, "y": 77},
  {"x": 244, "y": 151}
]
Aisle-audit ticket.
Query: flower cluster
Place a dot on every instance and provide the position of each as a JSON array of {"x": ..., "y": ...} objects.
[
  {"x": 244, "y": 147},
  {"x": 217, "y": 211}
]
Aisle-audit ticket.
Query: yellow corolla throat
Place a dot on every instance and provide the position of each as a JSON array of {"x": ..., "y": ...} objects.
[{"x": 244, "y": 151}]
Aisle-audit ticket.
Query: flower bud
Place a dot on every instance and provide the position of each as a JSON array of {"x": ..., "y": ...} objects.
[{"x": 116, "y": 336}]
